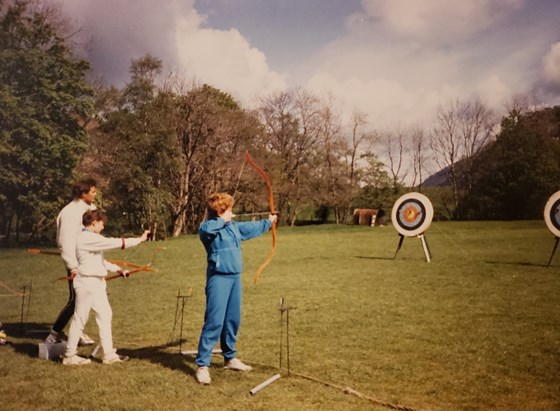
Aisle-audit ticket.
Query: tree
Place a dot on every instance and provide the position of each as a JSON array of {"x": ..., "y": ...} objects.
[
  {"x": 461, "y": 131},
  {"x": 166, "y": 146},
  {"x": 360, "y": 135},
  {"x": 212, "y": 133},
  {"x": 419, "y": 144},
  {"x": 334, "y": 173},
  {"x": 517, "y": 173},
  {"x": 291, "y": 122},
  {"x": 376, "y": 186},
  {"x": 130, "y": 145},
  {"x": 45, "y": 103},
  {"x": 393, "y": 148}
]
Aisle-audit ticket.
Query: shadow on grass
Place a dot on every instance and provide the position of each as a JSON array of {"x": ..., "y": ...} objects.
[
  {"x": 155, "y": 354},
  {"x": 159, "y": 354},
  {"x": 521, "y": 263},
  {"x": 387, "y": 258},
  {"x": 374, "y": 258},
  {"x": 37, "y": 331},
  {"x": 33, "y": 331},
  {"x": 29, "y": 349}
]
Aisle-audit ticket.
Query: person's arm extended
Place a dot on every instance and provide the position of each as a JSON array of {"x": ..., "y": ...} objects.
[
  {"x": 253, "y": 229},
  {"x": 97, "y": 242}
]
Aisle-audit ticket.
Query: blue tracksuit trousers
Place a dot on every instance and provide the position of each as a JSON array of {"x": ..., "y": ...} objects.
[{"x": 222, "y": 317}]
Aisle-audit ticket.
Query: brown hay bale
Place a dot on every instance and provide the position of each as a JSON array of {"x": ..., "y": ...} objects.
[{"x": 365, "y": 216}]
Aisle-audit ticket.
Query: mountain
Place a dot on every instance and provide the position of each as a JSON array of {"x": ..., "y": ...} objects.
[{"x": 437, "y": 179}]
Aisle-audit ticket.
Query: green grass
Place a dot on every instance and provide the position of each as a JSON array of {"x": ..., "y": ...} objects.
[{"x": 478, "y": 328}]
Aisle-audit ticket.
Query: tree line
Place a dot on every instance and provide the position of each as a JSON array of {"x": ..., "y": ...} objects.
[{"x": 160, "y": 144}]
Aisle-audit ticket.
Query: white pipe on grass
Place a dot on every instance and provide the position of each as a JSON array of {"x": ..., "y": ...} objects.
[{"x": 264, "y": 384}]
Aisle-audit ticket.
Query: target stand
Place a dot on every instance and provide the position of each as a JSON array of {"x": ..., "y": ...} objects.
[
  {"x": 552, "y": 220},
  {"x": 412, "y": 214},
  {"x": 284, "y": 309},
  {"x": 179, "y": 316},
  {"x": 425, "y": 247},
  {"x": 553, "y": 251}
]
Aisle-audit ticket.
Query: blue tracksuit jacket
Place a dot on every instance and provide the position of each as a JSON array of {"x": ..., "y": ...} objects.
[{"x": 222, "y": 317}]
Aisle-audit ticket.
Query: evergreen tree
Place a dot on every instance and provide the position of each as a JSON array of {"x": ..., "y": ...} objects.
[
  {"x": 45, "y": 102},
  {"x": 518, "y": 172}
]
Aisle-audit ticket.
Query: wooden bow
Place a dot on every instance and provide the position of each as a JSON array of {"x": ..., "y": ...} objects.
[
  {"x": 13, "y": 293},
  {"x": 137, "y": 270},
  {"x": 137, "y": 267},
  {"x": 113, "y": 276},
  {"x": 38, "y": 251},
  {"x": 272, "y": 211}
]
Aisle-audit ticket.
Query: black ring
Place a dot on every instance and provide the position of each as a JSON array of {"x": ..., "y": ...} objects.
[{"x": 417, "y": 204}]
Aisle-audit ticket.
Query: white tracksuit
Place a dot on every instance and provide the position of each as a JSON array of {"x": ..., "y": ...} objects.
[
  {"x": 90, "y": 287},
  {"x": 68, "y": 228}
]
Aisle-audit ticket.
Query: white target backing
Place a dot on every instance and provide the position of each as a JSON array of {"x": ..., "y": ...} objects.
[
  {"x": 552, "y": 213},
  {"x": 412, "y": 214}
]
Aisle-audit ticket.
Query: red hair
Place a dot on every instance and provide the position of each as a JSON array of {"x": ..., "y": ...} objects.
[{"x": 218, "y": 203}]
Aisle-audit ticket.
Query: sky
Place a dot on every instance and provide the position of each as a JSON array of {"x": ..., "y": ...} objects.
[{"x": 394, "y": 60}]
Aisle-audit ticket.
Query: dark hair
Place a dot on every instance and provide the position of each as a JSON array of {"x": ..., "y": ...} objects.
[
  {"x": 82, "y": 187},
  {"x": 93, "y": 215}
]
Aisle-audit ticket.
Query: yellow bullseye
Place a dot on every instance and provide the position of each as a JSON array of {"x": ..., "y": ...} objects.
[{"x": 410, "y": 214}]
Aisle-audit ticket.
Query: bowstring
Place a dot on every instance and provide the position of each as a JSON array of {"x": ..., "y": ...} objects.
[{"x": 239, "y": 178}]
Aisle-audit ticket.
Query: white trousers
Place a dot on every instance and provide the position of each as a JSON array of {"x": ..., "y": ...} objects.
[{"x": 91, "y": 293}]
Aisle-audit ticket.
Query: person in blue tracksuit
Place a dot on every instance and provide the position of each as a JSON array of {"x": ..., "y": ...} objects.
[{"x": 222, "y": 237}]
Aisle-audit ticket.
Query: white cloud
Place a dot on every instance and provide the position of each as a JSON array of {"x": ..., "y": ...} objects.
[
  {"x": 121, "y": 30},
  {"x": 391, "y": 63},
  {"x": 386, "y": 102},
  {"x": 551, "y": 65},
  {"x": 397, "y": 60},
  {"x": 493, "y": 91},
  {"x": 443, "y": 21},
  {"x": 226, "y": 60}
]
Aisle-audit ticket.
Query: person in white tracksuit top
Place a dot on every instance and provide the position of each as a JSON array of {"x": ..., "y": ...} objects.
[
  {"x": 68, "y": 227},
  {"x": 90, "y": 287}
]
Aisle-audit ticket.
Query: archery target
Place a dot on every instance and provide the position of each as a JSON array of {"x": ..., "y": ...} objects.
[
  {"x": 412, "y": 214},
  {"x": 552, "y": 213}
]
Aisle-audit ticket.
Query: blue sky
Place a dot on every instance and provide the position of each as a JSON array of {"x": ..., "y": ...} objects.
[
  {"x": 289, "y": 31},
  {"x": 395, "y": 60}
]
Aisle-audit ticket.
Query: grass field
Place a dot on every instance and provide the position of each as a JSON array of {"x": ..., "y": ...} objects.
[{"x": 477, "y": 328}]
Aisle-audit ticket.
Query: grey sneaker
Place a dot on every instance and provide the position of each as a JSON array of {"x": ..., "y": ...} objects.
[
  {"x": 237, "y": 365},
  {"x": 52, "y": 338},
  {"x": 115, "y": 358},
  {"x": 203, "y": 375},
  {"x": 85, "y": 340},
  {"x": 75, "y": 360}
]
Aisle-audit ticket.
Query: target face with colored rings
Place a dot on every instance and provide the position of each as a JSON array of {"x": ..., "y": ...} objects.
[
  {"x": 552, "y": 213},
  {"x": 412, "y": 214}
]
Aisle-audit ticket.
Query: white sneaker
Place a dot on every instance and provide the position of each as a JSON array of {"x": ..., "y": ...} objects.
[
  {"x": 237, "y": 365},
  {"x": 85, "y": 340},
  {"x": 203, "y": 375},
  {"x": 75, "y": 360},
  {"x": 115, "y": 358}
]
